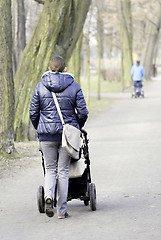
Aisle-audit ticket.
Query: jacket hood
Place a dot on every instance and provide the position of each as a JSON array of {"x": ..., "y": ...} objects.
[{"x": 57, "y": 82}]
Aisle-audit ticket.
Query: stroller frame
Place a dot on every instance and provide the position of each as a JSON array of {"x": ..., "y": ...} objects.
[
  {"x": 79, "y": 188},
  {"x": 136, "y": 94}
]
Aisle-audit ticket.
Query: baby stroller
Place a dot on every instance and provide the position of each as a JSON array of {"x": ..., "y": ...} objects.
[
  {"x": 137, "y": 94},
  {"x": 80, "y": 187}
]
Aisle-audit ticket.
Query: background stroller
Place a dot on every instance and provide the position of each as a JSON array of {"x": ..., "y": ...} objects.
[
  {"x": 138, "y": 86},
  {"x": 80, "y": 187}
]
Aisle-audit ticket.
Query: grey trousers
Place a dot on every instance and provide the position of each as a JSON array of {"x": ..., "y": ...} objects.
[{"x": 57, "y": 163}]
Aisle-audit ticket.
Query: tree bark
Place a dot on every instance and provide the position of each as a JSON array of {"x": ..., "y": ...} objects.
[
  {"x": 100, "y": 44},
  {"x": 88, "y": 52},
  {"x": 88, "y": 71},
  {"x": 6, "y": 80},
  {"x": 40, "y": 1},
  {"x": 152, "y": 33},
  {"x": 124, "y": 8},
  {"x": 74, "y": 65},
  {"x": 56, "y": 33},
  {"x": 19, "y": 32}
]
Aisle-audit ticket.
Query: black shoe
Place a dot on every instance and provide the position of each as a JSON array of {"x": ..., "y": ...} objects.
[{"x": 49, "y": 207}]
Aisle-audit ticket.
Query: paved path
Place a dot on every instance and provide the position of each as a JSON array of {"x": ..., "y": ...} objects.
[{"x": 125, "y": 152}]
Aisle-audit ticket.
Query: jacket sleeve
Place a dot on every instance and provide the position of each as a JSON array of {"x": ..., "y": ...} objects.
[
  {"x": 142, "y": 71},
  {"x": 35, "y": 109},
  {"x": 82, "y": 112},
  {"x": 132, "y": 71}
]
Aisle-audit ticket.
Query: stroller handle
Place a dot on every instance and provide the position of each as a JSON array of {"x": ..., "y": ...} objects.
[{"x": 84, "y": 131}]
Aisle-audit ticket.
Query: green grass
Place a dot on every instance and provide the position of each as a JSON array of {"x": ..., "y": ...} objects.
[
  {"x": 106, "y": 86},
  {"x": 95, "y": 105}
]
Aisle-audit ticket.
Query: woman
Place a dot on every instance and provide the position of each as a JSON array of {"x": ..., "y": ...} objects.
[{"x": 46, "y": 120}]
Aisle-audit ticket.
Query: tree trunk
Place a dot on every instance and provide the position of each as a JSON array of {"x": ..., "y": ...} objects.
[
  {"x": 6, "y": 80},
  {"x": 152, "y": 33},
  {"x": 148, "y": 55},
  {"x": 100, "y": 44},
  {"x": 99, "y": 76},
  {"x": 19, "y": 32},
  {"x": 32, "y": 16},
  {"x": 88, "y": 73},
  {"x": 56, "y": 33},
  {"x": 88, "y": 53},
  {"x": 124, "y": 9},
  {"x": 74, "y": 65}
]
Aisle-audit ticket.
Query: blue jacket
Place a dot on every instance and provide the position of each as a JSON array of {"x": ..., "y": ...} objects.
[
  {"x": 137, "y": 72},
  {"x": 43, "y": 112}
]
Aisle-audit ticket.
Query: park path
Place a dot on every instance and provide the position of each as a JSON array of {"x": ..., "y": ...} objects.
[{"x": 125, "y": 153}]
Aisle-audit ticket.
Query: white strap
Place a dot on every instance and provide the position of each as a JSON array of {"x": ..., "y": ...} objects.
[{"x": 58, "y": 108}]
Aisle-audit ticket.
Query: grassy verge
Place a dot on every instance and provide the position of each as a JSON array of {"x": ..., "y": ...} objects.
[
  {"x": 95, "y": 105},
  {"x": 106, "y": 86}
]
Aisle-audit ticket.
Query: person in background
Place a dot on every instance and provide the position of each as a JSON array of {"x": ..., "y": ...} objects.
[
  {"x": 137, "y": 73},
  {"x": 46, "y": 120}
]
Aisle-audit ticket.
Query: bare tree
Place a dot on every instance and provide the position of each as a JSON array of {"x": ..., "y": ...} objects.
[
  {"x": 153, "y": 23},
  {"x": 100, "y": 35},
  {"x": 146, "y": 28},
  {"x": 87, "y": 36},
  {"x": 56, "y": 33},
  {"x": 110, "y": 40},
  {"x": 124, "y": 9},
  {"x": 19, "y": 31},
  {"x": 74, "y": 65},
  {"x": 6, "y": 80}
]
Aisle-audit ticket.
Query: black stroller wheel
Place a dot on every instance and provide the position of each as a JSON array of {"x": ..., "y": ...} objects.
[
  {"x": 92, "y": 195},
  {"x": 40, "y": 199},
  {"x": 133, "y": 95},
  {"x": 86, "y": 202},
  {"x": 142, "y": 94}
]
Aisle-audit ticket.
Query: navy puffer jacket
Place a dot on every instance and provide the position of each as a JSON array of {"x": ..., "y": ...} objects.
[{"x": 43, "y": 112}]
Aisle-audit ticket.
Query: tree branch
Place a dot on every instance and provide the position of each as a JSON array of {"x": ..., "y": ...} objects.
[
  {"x": 156, "y": 25},
  {"x": 40, "y": 1}
]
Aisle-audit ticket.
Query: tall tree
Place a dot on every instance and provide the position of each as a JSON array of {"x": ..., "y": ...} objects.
[
  {"x": 124, "y": 9},
  {"x": 74, "y": 64},
  {"x": 153, "y": 24},
  {"x": 100, "y": 43},
  {"x": 19, "y": 32},
  {"x": 57, "y": 32},
  {"x": 6, "y": 80},
  {"x": 87, "y": 32}
]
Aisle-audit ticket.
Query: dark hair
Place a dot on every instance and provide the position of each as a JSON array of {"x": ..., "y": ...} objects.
[{"x": 57, "y": 64}]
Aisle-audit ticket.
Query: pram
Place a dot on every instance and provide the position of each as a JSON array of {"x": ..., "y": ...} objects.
[
  {"x": 137, "y": 94},
  {"x": 79, "y": 188}
]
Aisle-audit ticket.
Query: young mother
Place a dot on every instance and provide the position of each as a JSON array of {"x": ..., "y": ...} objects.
[{"x": 46, "y": 120}]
